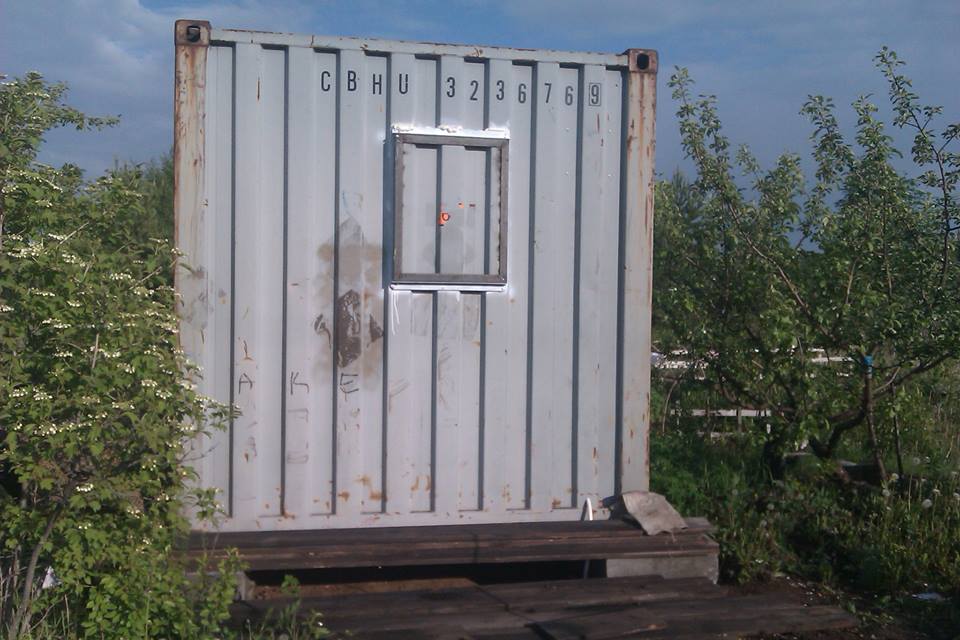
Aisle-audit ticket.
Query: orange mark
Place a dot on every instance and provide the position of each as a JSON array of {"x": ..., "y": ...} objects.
[
  {"x": 344, "y": 495},
  {"x": 376, "y": 495},
  {"x": 415, "y": 485},
  {"x": 555, "y": 504},
  {"x": 444, "y": 218},
  {"x": 460, "y": 204}
]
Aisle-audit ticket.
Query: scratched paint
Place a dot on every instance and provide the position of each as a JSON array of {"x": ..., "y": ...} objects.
[{"x": 510, "y": 385}]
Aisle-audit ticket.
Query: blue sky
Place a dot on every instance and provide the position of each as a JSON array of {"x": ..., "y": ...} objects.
[{"x": 760, "y": 58}]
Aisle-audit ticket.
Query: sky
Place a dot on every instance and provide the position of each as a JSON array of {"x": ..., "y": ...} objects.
[{"x": 761, "y": 58}]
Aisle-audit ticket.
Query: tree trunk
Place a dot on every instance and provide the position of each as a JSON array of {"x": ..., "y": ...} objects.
[
  {"x": 20, "y": 625},
  {"x": 871, "y": 426},
  {"x": 896, "y": 437},
  {"x": 773, "y": 458}
]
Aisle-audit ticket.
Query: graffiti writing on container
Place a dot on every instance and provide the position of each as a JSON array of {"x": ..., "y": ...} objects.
[{"x": 501, "y": 91}]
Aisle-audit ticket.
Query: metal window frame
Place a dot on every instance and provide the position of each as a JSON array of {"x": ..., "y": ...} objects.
[{"x": 432, "y": 281}]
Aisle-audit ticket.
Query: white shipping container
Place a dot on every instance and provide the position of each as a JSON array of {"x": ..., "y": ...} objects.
[{"x": 420, "y": 271}]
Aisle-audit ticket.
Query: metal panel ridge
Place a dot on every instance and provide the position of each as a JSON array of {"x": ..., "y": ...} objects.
[{"x": 376, "y": 45}]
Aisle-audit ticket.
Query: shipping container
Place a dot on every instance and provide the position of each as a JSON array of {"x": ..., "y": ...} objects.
[{"x": 421, "y": 272}]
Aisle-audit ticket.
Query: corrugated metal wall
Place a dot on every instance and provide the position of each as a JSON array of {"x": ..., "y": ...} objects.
[{"x": 364, "y": 403}]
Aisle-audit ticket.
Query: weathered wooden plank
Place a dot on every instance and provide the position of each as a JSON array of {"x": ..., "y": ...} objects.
[
  {"x": 572, "y": 529},
  {"x": 466, "y": 552},
  {"x": 526, "y": 596},
  {"x": 696, "y": 618},
  {"x": 594, "y": 609}
]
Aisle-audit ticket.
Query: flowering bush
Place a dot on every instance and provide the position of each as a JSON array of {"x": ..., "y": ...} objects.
[{"x": 94, "y": 406}]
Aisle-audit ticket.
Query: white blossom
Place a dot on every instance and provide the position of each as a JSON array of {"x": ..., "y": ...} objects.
[
  {"x": 85, "y": 488},
  {"x": 5, "y": 308},
  {"x": 926, "y": 504},
  {"x": 49, "y": 429}
]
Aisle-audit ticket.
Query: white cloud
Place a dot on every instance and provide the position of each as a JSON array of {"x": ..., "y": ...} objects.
[
  {"x": 761, "y": 58},
  {"x": 117, "y": 58}
]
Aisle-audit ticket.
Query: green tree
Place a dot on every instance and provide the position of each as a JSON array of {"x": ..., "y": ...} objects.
[
  {"x": 813, "y": 303},
  {"x": 94, "y": 405},
  {"x": 154, "y": 181}
]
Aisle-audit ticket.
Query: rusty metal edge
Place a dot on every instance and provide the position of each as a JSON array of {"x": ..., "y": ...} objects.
[
  {"x": 192, "y": 33},
  {"x": 188, "y": 180},
  {"x": 188, "y": 113},
  {"x": 634, "y": 426},
  {"x": 649, "y": 56}
]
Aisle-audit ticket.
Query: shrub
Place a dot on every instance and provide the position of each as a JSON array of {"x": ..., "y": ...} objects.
[{"x": 94, "y": 406}]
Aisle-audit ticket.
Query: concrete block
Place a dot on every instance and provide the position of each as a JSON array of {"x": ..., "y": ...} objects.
[{"x": 705, "y": 565}]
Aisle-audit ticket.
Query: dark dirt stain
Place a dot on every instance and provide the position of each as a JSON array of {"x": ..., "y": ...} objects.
[
  {"x": 349, "y": 345},
  {"x": 376, "y": 332},
  {"x": 320, "y": 327}
]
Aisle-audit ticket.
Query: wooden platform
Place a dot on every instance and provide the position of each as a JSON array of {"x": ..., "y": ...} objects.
[
  {"x": 591, "y": 609},
  {"x": 455, "y": 545}
]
